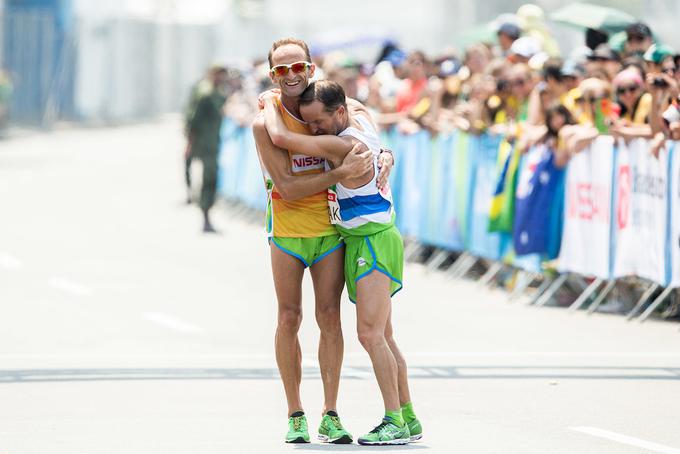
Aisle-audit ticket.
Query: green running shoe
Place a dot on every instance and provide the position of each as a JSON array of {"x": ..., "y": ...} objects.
[
  {"x": 387, "y": 433},
  {"x": 415, "y": 430},
  {"x": 297, "y": 428},
  {"x": 331, "y": 430}
]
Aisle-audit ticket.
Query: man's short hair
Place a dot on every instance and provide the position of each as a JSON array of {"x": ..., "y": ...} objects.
[
  {"x": 639, "y": 29},
  {"x": 282, "y": 42},
  {"x": 329, "y": 93}
]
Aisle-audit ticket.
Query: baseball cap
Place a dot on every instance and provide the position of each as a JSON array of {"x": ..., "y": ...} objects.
[
  {"x": 657, "y": 53},
  {"x": 526, "y": 47},
  {"x": 511, "y": 30}
]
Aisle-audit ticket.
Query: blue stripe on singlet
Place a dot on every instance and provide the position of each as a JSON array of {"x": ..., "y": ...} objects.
[{"x": 362, "y": 205}]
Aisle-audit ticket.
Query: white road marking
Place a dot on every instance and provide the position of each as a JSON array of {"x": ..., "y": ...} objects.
[
  {"x": 310, "y": 362},
  {"x": 172, "y": 322},
  {"x": 565, "y": 372},
  {"x": 350, "y": 372},
  {"x": 8, "y": 261},
  {"x": 409, "y": 355},
  {"x": 69, "y": 286},
  {"x": 439, "y": 372},
  {"x": 626, "y": 440},
  {"x": 269, "y": 357}
]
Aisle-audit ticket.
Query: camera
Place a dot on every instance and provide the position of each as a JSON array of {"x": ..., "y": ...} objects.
[{"x": 660, "y": 82}]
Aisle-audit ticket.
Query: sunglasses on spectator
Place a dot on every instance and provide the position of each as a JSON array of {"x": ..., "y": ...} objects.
[
  {"x": 628, "y": 89},
  {"x": 297, "y": 68}
]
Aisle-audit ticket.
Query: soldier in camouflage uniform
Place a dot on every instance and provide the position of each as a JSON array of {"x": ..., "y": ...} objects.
[{"x": 208, "y": 98}]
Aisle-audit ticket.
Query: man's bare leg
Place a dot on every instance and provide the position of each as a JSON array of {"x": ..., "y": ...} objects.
[
  {"x": 404, "y": 392},
  {"x": 414, "y": 425},
  {"x": 328, "y": 279},
  {"x": 373, "y": 309},
  {"x": 287, "y": 272}
]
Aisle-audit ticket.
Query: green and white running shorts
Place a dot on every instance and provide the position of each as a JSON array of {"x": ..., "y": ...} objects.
[
  {"x": 308, "y": 250},
  {"x": 382, "y": 251}
]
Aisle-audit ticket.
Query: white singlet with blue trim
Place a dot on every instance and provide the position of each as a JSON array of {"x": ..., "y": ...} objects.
[{"x": 366, "y": 204}]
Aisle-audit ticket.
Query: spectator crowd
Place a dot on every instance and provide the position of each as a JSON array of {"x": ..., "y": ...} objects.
[{"x": 622, "y": 84}]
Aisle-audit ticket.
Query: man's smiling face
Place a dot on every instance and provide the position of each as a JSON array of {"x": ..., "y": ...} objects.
[{"x": 292, "y": 84}]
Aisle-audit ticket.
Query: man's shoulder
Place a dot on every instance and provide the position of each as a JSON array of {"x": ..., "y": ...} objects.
[{"x": 258, "y": 121}]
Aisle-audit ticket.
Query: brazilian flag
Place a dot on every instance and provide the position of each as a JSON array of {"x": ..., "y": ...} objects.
[{"x": 502, "y": 212}]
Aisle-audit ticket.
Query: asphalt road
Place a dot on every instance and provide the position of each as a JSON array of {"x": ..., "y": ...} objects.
[{"x": 124, "y": 329}]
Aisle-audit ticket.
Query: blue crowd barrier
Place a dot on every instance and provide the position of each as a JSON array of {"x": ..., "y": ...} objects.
[{"x": 442, "y": 189}]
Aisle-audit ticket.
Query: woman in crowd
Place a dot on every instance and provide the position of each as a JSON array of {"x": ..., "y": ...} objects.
[{"x": 634, "y": 106}]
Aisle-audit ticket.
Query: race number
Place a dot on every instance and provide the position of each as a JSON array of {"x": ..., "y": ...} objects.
[{"x": 333, "y": 206}]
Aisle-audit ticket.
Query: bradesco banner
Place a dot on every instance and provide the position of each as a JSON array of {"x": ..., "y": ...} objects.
[
  {"x": 640, "y": 212},
  {"x": 587, "y": 212},
  {"x": 675, "y": 215},
  {"x": 484, "y": 153}
]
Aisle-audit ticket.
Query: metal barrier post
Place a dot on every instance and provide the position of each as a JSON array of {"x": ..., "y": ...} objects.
[
  {"x": 667, "y": 291},
  {"x": 412, "y": 250},
  {"x": 462, "y": 258},
  {"x": 583, "y": 297},
  {"x": 603, "y": 294},
  {"x": 541, "y": 289},
  {"x": 642, "y": 301},
  {"x": 465, "y": 267},
  {"x": 490, "y": 273},
  {"x": 436, "y": 259},
  {"x": 554, "y": 287},
  {"x": 524, "y": 279}
]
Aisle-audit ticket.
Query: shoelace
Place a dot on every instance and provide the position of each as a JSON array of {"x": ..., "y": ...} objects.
[
  {"x": 336, "y": 422},
  {"x": 297, "y": 422},
  {"x": 379, "y": 427}
]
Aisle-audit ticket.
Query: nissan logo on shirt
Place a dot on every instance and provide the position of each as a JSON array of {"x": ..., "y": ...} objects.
[{"x": 302, "y": 163}]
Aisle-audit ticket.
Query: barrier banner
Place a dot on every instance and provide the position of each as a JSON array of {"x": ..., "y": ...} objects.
[
  {"x": 536, "y": 197},
  {"x": 230, "y": 159},
  {"x": 433, "y": 190},
  {"x": 640, "y": 212},
  {"x": 587, "y": 212},
  {"x": 674, "y": 240},
  {"x": 484, "y": 155},
  {"x": 413, "y": 175},
  {"x": 252, "y": 182},
  {"x": 457, "y": 170},
  {"x": 391, "y": 139}
]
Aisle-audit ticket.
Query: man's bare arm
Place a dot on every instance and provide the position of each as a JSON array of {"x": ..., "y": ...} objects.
[
  {"x": 385, "y": 160},
  {"x": 330, "y": 147},
  {"x": 275, "y": 161}
]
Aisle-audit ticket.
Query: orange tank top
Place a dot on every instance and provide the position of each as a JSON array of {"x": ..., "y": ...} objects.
[{"x": 307, "y": 217}]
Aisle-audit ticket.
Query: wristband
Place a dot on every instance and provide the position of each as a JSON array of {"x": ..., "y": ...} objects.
[{"x": 387, "y": 150}]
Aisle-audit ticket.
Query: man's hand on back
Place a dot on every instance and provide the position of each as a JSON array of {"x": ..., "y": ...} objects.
[
  {"x": 358, "y": 161},
  {"x": 385, "y": 164},
  {"x": 273, "y": 94}
]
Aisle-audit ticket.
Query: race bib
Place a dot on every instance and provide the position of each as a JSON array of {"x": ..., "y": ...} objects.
[
  {"x": 302, "y": 163},
  {"x": 333, "y": 206}
]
